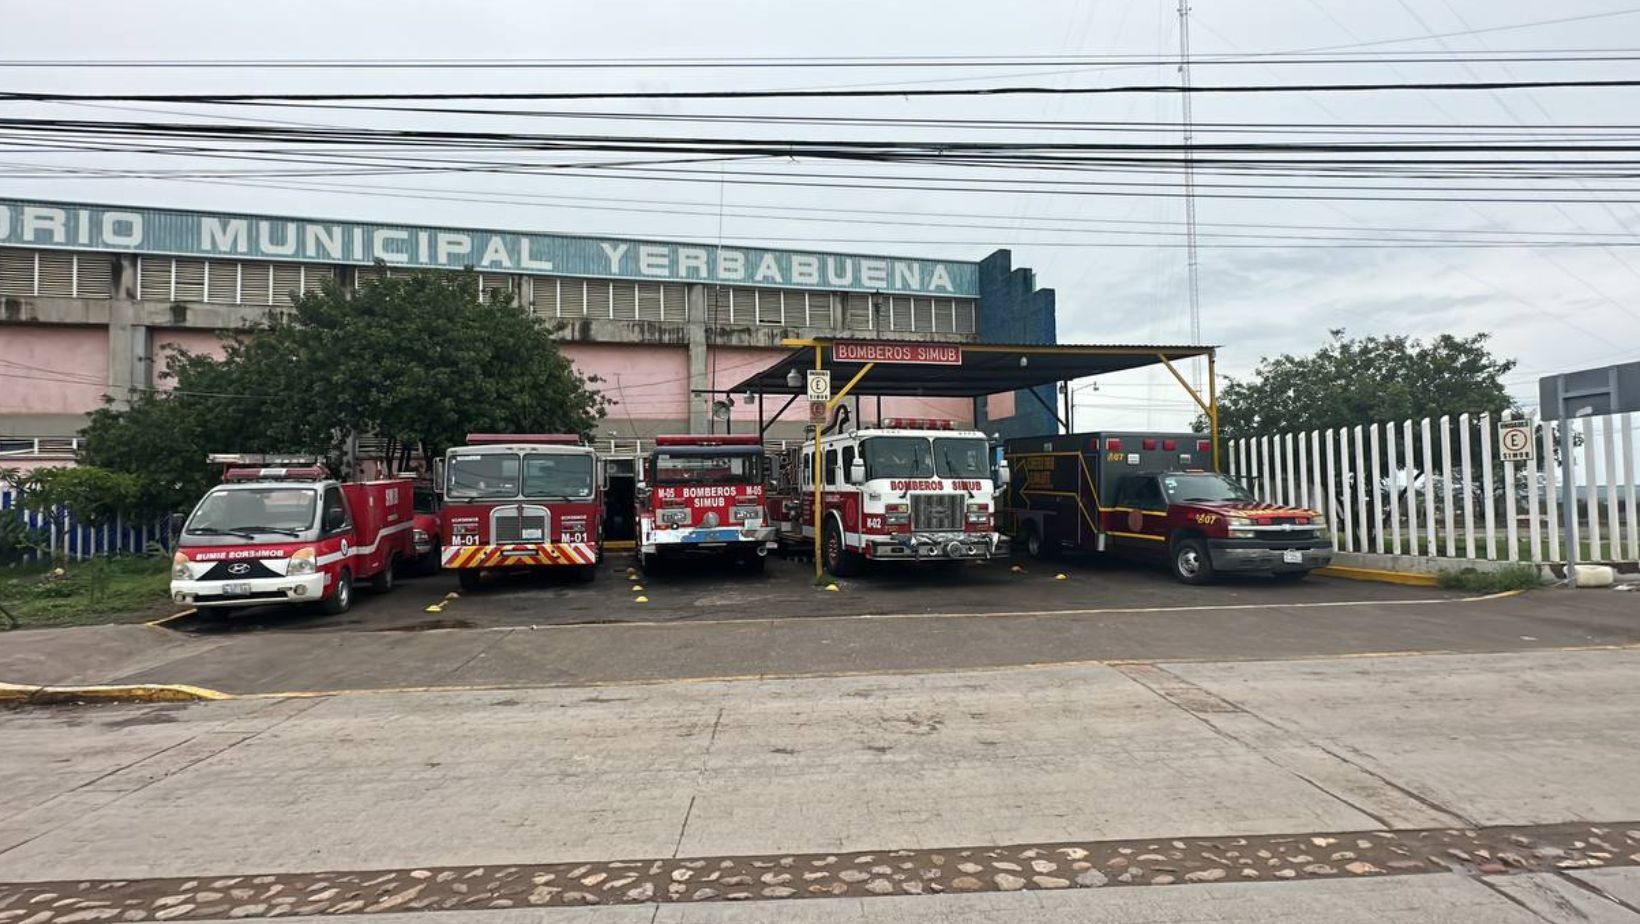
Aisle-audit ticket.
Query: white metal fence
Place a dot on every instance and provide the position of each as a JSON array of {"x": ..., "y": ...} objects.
[
  {"x": 78, "y": 542},
  {"x": 1435, "y": 487}
]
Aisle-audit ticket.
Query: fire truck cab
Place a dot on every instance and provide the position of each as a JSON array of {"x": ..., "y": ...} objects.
[
  {"x": 907, "y": 490},
  {"x": 515, "y": 501},
  {"x": 1155, "y": 496},
  {"x": 703, "y": 494},
  {"x": 280, "y": 530}
]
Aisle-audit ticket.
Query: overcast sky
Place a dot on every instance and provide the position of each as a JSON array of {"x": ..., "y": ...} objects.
[{"x": 1549, "y": 309}]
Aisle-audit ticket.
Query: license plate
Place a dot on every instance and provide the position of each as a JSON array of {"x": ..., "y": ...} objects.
[
  {"x": 1292, "y": 557},
  {"x": 236, "y": 590},
  {"x": 713, "y": 535}
]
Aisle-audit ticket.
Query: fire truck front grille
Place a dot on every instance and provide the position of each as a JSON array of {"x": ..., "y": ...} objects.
[
  {"x": 937, "y": 512},
  {"x": 510, "y": 527}
]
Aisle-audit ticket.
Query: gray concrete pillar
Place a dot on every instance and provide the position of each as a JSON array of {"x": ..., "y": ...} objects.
[
  {"x": 130, "y": 363},
  {"x": 695, "y": 301}
]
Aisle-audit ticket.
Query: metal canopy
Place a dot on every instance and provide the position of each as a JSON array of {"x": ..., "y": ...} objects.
[{"x": 985, "y": 369}]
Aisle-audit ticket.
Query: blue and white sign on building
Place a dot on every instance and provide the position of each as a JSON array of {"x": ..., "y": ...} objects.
[{"x": 258, "y": 237}]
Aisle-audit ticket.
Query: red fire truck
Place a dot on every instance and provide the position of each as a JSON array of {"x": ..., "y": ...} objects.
[
  {"x": 703, "y": 494},
  {"x": 280, "y": 530},
  {"x": 1153, "y": 495},
  {"x": 514, "y": 501},
  {"x": 909, "y": 489}
]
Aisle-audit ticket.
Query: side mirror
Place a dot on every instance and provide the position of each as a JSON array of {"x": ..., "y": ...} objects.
[
  {"x": 438, "y": 476},
  {"x": 857, "y": 471},
  {"x": 1005, "y": 474},
  {"x": 174, "y": 523}
]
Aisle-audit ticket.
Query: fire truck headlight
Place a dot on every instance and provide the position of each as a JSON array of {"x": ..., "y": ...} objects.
[
  {"x": 673, "y": 516},
  {"x": 302, "y": 561},
  {"x": 179, "y": 567},
  {"x": 746, "y": 513}
]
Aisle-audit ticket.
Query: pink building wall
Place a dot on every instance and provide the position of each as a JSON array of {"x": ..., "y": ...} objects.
[
  {"x": 54, "y": 369},
  {"x": 649, "y": 382},
  {"x": 194, "y": 341}
]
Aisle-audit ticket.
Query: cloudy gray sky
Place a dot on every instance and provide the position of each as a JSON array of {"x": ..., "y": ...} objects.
[{"x": 1117, "y": 261}]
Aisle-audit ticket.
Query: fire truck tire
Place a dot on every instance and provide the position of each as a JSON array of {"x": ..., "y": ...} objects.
[
  {"x": 382, "y": 581},
  {"x": 342, "y": 597},
  {"x": 584, "y": 574},
  {"x": 840, "y": 562},
  {"x": 752, "y": 563},
  {"x": 468, "y": 578},
  {"x": 1191, "y": 562}
]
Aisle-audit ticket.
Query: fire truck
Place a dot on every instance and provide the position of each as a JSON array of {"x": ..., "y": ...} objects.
[
  {"x": 280, "y": 530},
  {"x": 1156, "y": 496},
  {"x": 517, "y": 501},
  {"x": 704, "y": 494},
  {"x": 907, "y": 490}
]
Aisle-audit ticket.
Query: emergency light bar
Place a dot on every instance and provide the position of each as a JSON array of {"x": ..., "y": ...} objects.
[
  {"x": 299, "y": 473},
  {"x": 258, "y": 458},
  {"x": 716, "y": 439},
  {"x": 494, "y": 439},
  {"x": 919, "y": 423}
]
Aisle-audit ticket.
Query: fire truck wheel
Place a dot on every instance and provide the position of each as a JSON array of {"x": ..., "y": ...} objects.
[
  {"x": 585, "y": 573},
  {"x": 342, "y": 597},
  {"x": 840, "y": 562},
  {"x": 1191, "y": 562},
  {"x": 468, "y": 578},
  {"x": 752, "y": 563},
  {"x": 382, "y": 581}
]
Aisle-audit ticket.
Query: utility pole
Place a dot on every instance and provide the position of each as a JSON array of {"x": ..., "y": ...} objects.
[{"x": 1190, "y": 190}]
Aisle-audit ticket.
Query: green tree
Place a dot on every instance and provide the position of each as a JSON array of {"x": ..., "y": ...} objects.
[
  {"x": 1358, "y": 381},
  {"x": 420, "y": 360},
  {"x": 91, "y": 496}
]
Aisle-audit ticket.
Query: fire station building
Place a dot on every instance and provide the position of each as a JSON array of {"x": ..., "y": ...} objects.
[{"x": 91, "y": 295}]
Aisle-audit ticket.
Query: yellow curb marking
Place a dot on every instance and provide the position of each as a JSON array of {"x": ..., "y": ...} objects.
[{"x": 1406, "y": 578}]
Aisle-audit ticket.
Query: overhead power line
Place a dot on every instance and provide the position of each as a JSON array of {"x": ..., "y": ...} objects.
[{"x": 776, "y": 93}]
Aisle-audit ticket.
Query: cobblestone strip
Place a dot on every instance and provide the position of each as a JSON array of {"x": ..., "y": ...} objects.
[{"x": 1162, "y": 862}]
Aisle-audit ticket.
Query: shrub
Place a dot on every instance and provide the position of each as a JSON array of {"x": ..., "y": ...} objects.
[{"x": 1512, "y": 577}]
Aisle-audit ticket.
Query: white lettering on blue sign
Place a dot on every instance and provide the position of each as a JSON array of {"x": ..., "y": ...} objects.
[{"x": 197, "y": 234}]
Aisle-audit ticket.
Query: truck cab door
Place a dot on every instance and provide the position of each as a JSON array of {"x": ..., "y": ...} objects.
[{"x": 1141, "y": 516}]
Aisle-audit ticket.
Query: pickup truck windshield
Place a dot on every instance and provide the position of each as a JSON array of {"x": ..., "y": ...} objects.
[
  {"x": 1196, "y": 488},
  {"x": 699, "y": 469},
  {"x": 897, "y": 457},
  {"x": 482, "y": 474},
  {"x": 251, "y": 512},
  {"x": 557, "y": 474},
  {"x": 961, "y": 458}
]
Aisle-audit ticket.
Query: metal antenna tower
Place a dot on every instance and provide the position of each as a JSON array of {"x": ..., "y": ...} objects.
[{"x": 1190, "y": 190}]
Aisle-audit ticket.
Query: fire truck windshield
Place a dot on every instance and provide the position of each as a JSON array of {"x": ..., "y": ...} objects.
[
  {"x": 1204, "y": 486},
  {"x": 961, "y": 458},
  {"x": 249, "y": 512},
  {"x": 897, "y": 457},
  {"x": 482, "y": 474},
  {"x": 704, "y": 469},
  {"x": 557, "y": 474}
]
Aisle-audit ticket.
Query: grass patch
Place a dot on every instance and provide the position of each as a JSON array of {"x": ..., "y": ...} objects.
[
  {"x": 100, "y": 590},
  {"x": 1513, "y": 577}
]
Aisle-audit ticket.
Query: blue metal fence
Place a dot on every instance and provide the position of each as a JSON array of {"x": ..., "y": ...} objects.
[{"x": 79, "y": 542}]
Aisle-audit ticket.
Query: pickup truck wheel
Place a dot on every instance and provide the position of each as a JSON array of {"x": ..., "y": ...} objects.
[
  {"x": 840, "y": 562},
  {"x": 1191, "y": 562},
  {"x": 341, "y": 597},
  {"x": 382, "y": 581},
  {"x": 468, "y": 578}
]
